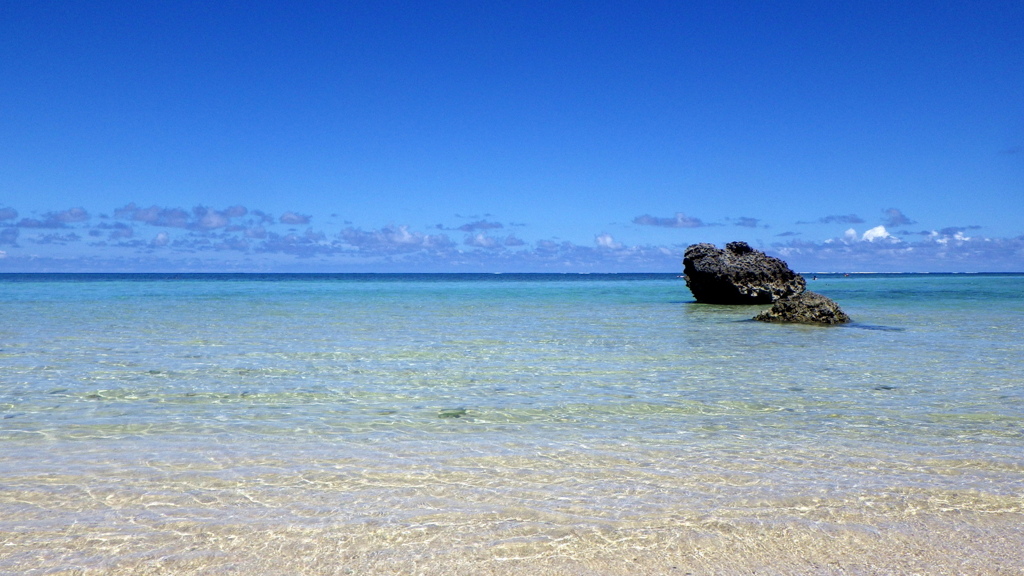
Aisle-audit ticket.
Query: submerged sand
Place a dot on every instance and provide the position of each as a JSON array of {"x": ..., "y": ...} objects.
[
  {"x": 502, "y": 516},
  {"x": 950, "y": 542}
]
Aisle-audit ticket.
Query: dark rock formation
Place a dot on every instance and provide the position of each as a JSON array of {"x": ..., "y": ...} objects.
[
  {"x": 738, "y": 275},
  {"x": 805, "y": 308}
]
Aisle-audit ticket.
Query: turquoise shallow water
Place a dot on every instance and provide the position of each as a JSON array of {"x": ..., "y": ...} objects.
[{"x": 491, "y": 412}]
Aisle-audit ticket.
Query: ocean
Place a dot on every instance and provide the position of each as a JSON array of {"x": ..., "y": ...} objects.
[{"x": 506, "y": 424}]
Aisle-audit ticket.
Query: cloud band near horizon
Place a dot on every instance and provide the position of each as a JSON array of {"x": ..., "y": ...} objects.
[{"x": 239, "y": 238}]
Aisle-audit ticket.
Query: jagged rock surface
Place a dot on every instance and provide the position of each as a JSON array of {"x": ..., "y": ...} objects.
[
  {"x": 805, "y": 308},
  {"x": 738, "y": 275}
]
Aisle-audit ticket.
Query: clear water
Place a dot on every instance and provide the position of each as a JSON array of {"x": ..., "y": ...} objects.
[{"x": 505, "y": 423}]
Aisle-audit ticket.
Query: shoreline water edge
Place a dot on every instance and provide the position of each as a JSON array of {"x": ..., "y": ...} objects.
[{"x": 506, "y": 424}]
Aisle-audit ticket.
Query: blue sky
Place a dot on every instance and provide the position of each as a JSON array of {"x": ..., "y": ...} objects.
[{"x": 510, "y": 136}]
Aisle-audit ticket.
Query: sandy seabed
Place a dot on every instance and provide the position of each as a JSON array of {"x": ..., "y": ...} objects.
[
  {"x": 498, "y": 523},
  {"x": 951, "y": 543}
]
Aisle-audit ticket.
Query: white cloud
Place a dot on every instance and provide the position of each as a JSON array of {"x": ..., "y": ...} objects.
[
  {"x": 200, "y": 236},
  {"x": 154, "y": 215},
  {"x": 294, "y": 218},
  {"x": 235, "y": 211},
  {"x": 481, "y": 241},
  {"x": 948, "y": 250},
  {"x": 680, "y": 220},
  {"x": 212, "y": 219},
  {"x": 162, "y": 239},
  {"x": 606, "y": 241},
  {"x": 894, "y": 217},
  {"x": 392, "y": 240},
  {"x": 878, "y": 233},
  {"x": 956, "y": 238},
  {"x": 480, "y": 225},
  {"x": 838, "y": 219}
]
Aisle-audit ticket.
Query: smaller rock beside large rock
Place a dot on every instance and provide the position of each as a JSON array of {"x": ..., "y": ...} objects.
[{"x": 805, "y": 308}]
